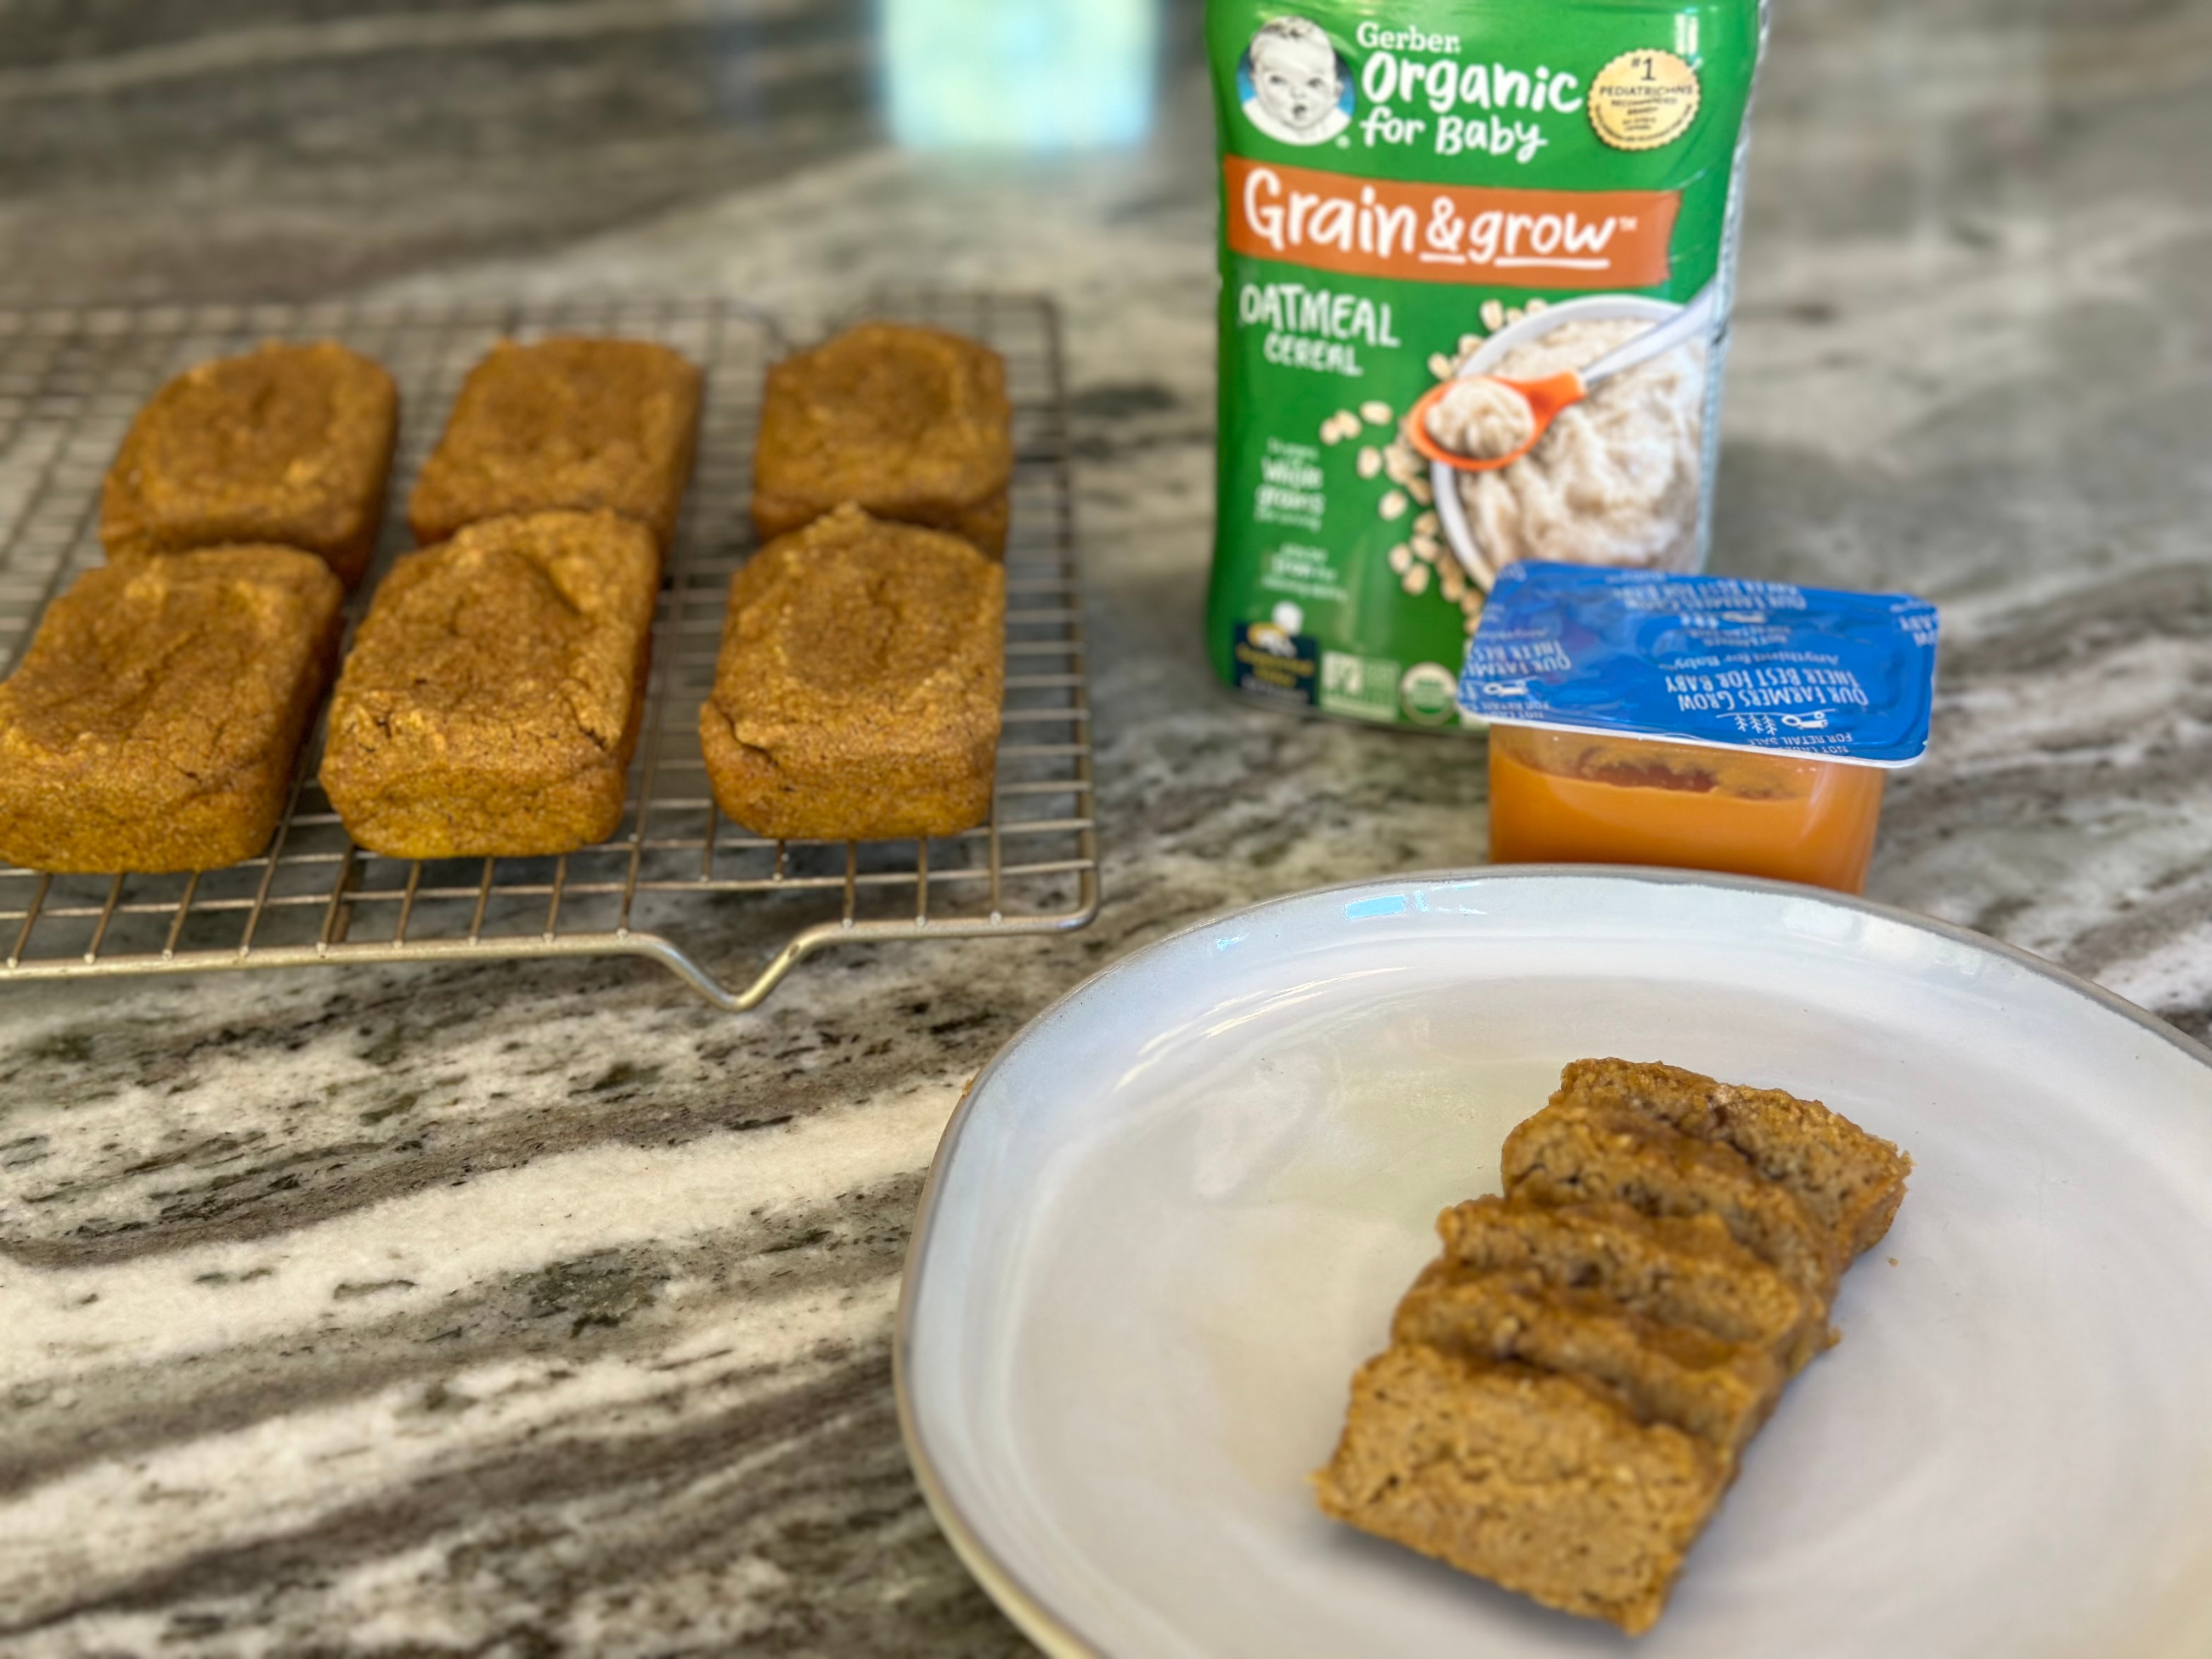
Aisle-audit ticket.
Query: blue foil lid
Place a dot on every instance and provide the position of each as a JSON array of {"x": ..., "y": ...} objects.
[{"x": 1707, "y": 660}]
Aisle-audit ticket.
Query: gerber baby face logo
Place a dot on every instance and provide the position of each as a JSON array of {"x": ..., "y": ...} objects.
[{"x": 1292, "y": 85}]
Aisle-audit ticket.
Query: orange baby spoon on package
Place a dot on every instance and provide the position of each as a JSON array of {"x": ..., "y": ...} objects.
[{"x": 1477, "y": 421}]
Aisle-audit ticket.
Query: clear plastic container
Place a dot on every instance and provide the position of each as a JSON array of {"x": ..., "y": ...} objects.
[
  {"x": 1706, "y": 722},
  {"x": 1602, "y": 797}
]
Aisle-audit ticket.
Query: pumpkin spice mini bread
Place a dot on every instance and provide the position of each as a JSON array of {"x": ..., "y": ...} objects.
[
  {"x": 288, "y": 445},
  {"x": 155, "y": 721},
  {"x": 491, "y": 702},
  {"x": 857, "y": 692},
  {"x": 582, "y": 424},
  {"x": 1571, "y": 1385},
  {"x": 909, "y": 423}
]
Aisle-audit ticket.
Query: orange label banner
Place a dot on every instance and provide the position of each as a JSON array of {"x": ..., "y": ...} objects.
[{"x": 1551, "y": 238}]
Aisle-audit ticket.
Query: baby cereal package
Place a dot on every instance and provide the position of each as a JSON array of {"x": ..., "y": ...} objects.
[{"x": 1475, "y": 269}]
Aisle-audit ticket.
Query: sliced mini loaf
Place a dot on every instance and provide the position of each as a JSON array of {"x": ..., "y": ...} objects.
[{"x": 1569, "y": 1387}]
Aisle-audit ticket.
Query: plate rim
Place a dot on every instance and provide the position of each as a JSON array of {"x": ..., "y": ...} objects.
[{"x": 1030, "y": 1612}]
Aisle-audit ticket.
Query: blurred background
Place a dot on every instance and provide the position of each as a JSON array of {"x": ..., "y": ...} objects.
[{"x": 281, "y": 147}]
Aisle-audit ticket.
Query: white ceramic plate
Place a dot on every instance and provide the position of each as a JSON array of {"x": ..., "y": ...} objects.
[{"x": 1174, "y": 1214}]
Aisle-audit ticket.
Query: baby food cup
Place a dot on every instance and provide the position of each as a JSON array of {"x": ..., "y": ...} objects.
[{"x": 1704, "y": 722}]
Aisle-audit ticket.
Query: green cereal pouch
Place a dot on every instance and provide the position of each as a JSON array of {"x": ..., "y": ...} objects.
[{"x": 1416, "y": 198}]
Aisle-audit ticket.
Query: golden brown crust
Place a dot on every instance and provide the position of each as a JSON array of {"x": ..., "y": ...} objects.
[
  {"x": 1852, "y": 1181},
  {"x": 909, "y": 423},
  {"x": 857, "y": 692},
  {"x": 1528, "y": 1478},
  {"x": 155, "y": 719},
  {"x": 582, "y": 424},
  {"x": 491, "y": 702},
  {"x": 287, "y": 445}
]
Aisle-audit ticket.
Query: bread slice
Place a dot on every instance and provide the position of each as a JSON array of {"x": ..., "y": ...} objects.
[
  {"x": 1852, "y": 1181},
  {"x": 1537, "y": 1481},
  {"x": 1570, "y": 1152},
  {"x": 1683, "y": 1270},
  {"x": 1718, "y": 1390}
]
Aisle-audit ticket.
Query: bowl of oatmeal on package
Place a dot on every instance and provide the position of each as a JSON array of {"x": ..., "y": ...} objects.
[{"x": 1616, "y": 480}]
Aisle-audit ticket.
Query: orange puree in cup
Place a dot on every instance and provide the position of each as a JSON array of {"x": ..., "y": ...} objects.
[{"x": 1581, "y": 798}]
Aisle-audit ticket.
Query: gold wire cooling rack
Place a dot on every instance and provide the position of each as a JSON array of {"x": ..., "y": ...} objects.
[{"x": 676, "y": 882}]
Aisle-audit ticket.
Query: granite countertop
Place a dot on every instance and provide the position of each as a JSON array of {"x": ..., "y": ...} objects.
[{"x": 541, "y": 1309}]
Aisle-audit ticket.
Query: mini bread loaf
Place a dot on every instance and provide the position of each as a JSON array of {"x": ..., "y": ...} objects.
[
  {"x": 856, "y": 695},
  {"x": 577, "y": 423},
  {"x": 1571, "y": 1385},
  {"x": 289, "y": 445},
  {"x": 909, "y": 423},
  {"x": 492, "y": 699},
  {"x": 155, "y": 721}
]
